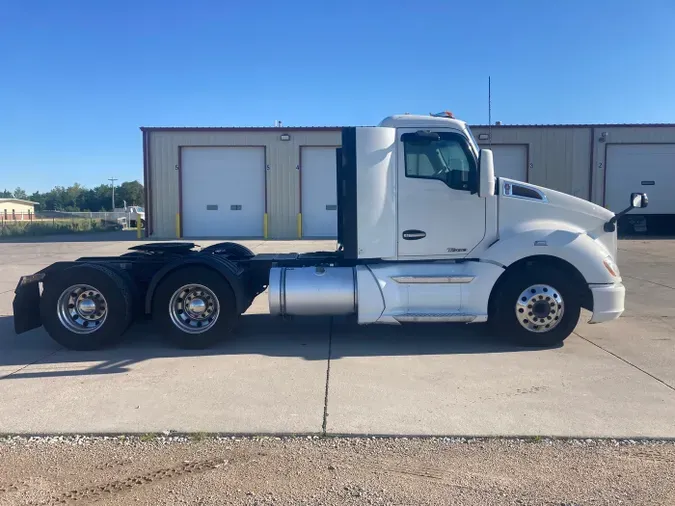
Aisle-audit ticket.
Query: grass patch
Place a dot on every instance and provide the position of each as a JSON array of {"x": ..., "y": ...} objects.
[
  {"x": 146, "y": 438},
  {"x": 39, "y": 228}
]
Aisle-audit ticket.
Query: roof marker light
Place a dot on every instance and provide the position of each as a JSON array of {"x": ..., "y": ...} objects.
[{"x": 444, "y": 114}]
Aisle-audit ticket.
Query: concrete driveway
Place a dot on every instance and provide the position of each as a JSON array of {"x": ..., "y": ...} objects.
[{"x": 330, "y": 376}]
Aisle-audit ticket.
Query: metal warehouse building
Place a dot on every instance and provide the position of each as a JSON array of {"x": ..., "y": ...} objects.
[{"x": 280, "y": 182}]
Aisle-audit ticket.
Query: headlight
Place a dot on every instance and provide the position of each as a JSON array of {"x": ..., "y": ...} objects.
[{"x": 611, "y": 266}]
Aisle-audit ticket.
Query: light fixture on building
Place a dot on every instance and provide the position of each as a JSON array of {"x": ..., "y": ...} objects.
[
  {"x": 603, "y": 137},
  {"x": 483, "y": 137},
  {"x": 285, "y": 137}
]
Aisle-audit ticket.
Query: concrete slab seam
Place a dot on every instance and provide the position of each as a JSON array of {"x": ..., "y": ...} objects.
[
  {"x": 641, "y": 253},
  {"x": 324, "y": 425},
  {"x": 648, "y": 281},
  {"x": 31, "y": 363},
  {"x": 627, "y": 362}
]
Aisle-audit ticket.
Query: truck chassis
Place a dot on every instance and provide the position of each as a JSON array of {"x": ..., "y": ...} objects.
[{"x": 195, "y": 295}]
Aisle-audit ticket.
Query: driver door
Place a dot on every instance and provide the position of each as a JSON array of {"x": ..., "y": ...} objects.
[{"x": 440, "y": 214}]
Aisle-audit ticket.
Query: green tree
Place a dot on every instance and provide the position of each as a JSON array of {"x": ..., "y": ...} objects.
[
  {"x": 132, "y": 192},
  {"x": 57, "y": 199},
  {"x": 98, "y": 199},
  {"x": 20, "y": 193},
  {"x": 74, "y": 196},
  {"x": 40, "y": 198},
  {"x": 78, "y": 198}
]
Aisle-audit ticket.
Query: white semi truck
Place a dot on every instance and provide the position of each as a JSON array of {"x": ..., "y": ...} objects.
[
  {"x": 134, "y": 214},
  {"x": 426, "y": 233}
]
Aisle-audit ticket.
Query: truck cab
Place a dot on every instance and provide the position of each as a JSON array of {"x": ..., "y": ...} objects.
[
  {"x": 417, "y": 191},
  {"x": 426, "y": 233}
]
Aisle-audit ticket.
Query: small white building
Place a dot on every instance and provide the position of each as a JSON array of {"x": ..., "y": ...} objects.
[
  {"x": 280, "y": 183},
  {"x": 12, "y": 209}
]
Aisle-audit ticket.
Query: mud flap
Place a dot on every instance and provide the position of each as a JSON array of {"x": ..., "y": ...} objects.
[{"x": 26, "y": 304}]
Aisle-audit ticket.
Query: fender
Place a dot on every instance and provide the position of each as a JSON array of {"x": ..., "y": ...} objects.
[
  {"x": 564, "y": 242},
  {"x": 230, "y": 270}
]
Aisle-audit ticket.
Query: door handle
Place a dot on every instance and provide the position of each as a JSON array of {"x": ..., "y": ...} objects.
[{"x": 414, "y": 234}]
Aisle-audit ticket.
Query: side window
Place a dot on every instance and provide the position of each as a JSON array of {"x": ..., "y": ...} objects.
[{"x": 445, "y": 157}]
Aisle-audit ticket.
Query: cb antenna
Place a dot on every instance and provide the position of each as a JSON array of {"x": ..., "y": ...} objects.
[{"x": 490, "y": 110}]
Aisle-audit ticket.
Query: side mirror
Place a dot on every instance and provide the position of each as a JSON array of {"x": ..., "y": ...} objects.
[
  {"x": 486, "y": 174},
  {"x": 638, "y": 200}
]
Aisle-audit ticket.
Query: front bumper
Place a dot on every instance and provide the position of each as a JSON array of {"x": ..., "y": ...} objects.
[{"x": 608, "y": 302}]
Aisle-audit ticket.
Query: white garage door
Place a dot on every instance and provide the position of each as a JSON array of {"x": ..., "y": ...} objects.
[
  {"x": 319, "y": 191},
  {"x": 635, "y": 168},
  {"x": 510, "y": 161},
  {"x": 223, "y": 191}
]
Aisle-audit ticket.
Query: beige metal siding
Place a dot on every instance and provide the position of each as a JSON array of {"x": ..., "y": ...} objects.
[
  {"x": 623, "y": 135},
  {"x": 558, "y": 158},
  {"x": 282, "y": 177}
]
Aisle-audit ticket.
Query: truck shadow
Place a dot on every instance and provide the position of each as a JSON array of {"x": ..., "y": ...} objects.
[{"x": 35, "y": 355}]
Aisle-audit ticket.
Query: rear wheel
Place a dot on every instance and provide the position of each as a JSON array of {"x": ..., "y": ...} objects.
[
  {"x": 536, "y": 306},
  {"x": 86, "y": 307},
  {"x": 195, "y": 307}
]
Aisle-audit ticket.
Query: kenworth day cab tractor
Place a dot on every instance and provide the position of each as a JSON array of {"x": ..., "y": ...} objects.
[{"x": 425, "y": 234}]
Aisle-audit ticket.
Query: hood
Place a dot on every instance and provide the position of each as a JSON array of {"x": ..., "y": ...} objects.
[{"x": 525, "y": 202}]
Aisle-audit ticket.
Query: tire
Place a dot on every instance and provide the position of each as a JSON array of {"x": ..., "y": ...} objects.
[
  {"x": 132, "y": 223},
  {"x": 65, "y": 324},
  {"x": 177, "y": 325},
  {"x": 142, "y": 223},
  {"x": 230, "y": 248},
  {"x": 531, "y": 289}
]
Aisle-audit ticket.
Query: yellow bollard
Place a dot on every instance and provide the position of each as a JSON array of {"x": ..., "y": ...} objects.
[
  {"x": 265, "y": 226},
  {"x": 299, "y": 225},
  {"x": 178, "y": 225},
  {"x": 138, "y": 227}
]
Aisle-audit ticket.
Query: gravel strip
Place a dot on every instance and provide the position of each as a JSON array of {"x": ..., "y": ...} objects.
[{"x": 170, "y": 469}]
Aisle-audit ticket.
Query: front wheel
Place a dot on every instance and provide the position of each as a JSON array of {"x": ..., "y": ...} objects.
[
  {"x": 536, "y": 306},
  {"x": 195, "y": 307}
]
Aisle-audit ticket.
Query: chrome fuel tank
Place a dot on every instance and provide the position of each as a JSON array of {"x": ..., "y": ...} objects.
[{"x": 312, "y": 291}]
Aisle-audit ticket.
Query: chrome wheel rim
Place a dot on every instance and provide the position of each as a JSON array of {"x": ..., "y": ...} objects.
[
  {"x": 540, "y": 308},
  {"x": 82, "y": 309},
  {"x": 194, "y": 308}
]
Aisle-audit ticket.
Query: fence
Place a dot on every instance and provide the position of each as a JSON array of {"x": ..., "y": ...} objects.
[
  {"x": 122, "y": 218},
  {"x": 6, "y": 215}
]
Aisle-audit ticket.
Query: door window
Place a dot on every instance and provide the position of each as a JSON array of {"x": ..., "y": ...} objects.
[{"x": 443, "y": 156}]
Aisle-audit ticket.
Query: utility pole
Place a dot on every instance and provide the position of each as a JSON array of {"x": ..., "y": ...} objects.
[{"x": 112, "y": 183}]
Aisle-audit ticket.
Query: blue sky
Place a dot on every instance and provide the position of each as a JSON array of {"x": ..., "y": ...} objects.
[{"x": 77, "y": 78}]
